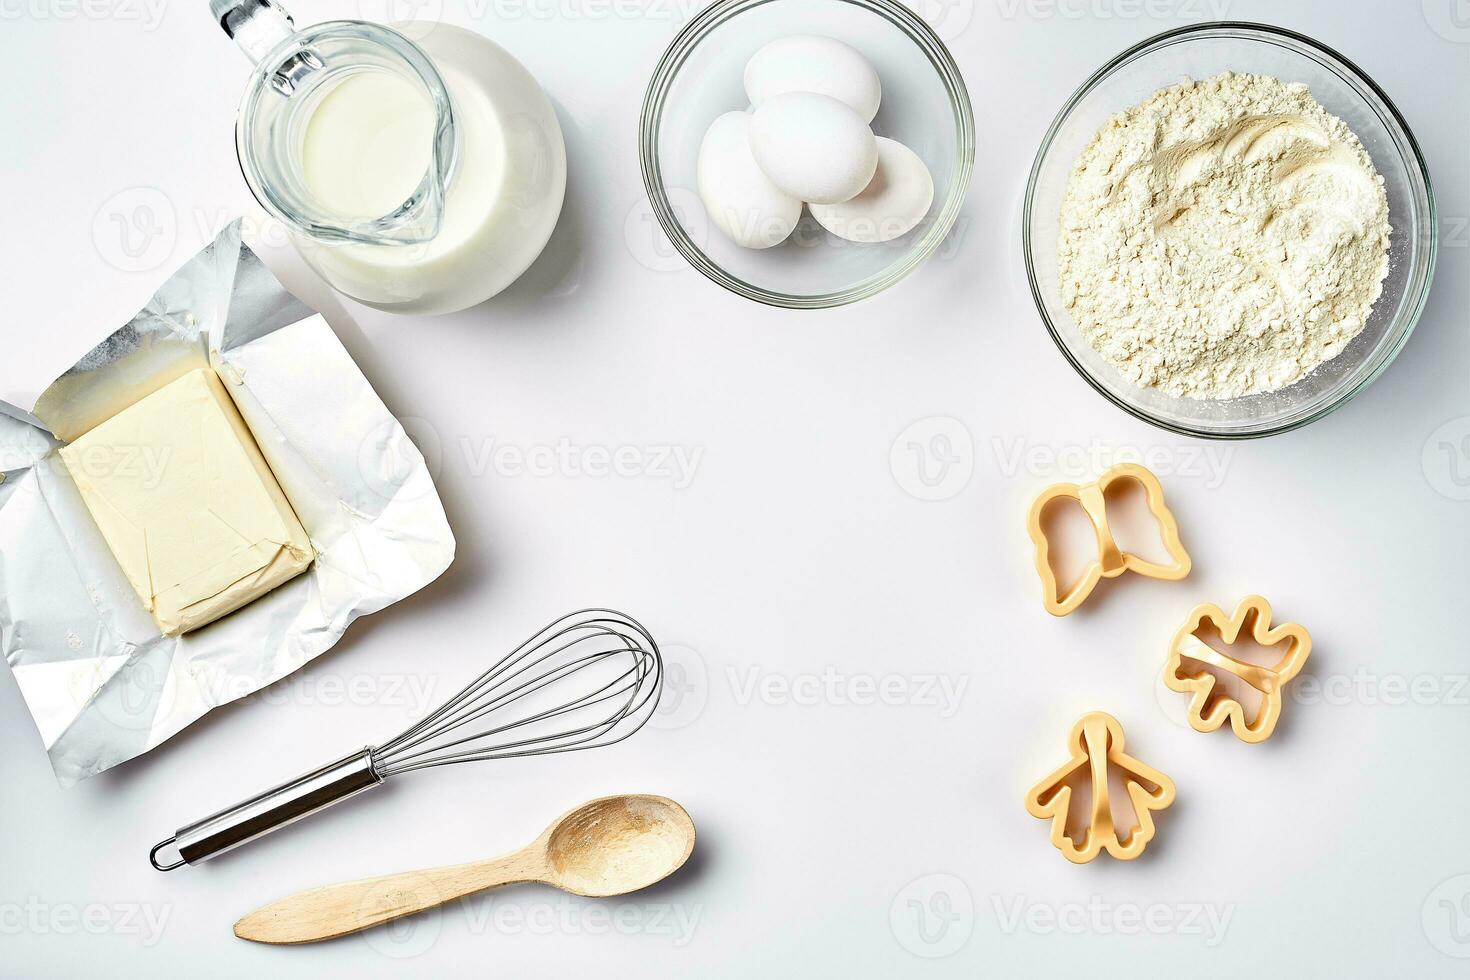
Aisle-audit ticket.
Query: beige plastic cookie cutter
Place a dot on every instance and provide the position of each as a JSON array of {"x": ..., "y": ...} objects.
[
  {"x": 1112, "y": 561},
  {"x": 1097, "y": 749},
  {"x": 1192, "y": 662}
]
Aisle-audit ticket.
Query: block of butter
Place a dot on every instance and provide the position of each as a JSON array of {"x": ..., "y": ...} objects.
[{"x": 187, "y": 503}]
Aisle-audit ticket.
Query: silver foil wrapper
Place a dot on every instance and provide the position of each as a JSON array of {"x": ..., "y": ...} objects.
[{"x": 98, "y": 677}]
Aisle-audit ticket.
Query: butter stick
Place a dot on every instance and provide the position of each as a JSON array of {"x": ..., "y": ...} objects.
[{"x": 187, "y": 504}]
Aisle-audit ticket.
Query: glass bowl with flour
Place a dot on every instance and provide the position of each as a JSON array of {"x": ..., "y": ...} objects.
[{"x": 1229, "y": 230}]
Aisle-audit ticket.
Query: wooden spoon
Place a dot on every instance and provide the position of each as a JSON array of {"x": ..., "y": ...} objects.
[{"x": 610, "y": 846}]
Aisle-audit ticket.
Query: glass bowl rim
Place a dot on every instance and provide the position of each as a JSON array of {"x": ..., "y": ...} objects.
[
  {"x": 650, "y": 120},
  {"x": 1391, "y": 344}
]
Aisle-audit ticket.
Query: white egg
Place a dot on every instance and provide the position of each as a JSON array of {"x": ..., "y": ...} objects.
[
  {"x": 894, "y": 201},
  {"x": 740, "y": 198},
  {"x": 813, "y": 147},
  {"x": 810, "y": 63}
]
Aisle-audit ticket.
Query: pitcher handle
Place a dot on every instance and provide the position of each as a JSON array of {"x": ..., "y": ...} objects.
[{"x": 256, "y": 26}]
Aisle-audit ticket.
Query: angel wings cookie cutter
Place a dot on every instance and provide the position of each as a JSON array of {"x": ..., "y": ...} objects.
[
  {"x": 1112, "y": 561},
  {"x": 1253, "y": 617},
  {"x": 1097, "y": 743}
]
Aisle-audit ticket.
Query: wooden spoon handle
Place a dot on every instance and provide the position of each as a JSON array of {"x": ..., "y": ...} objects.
[{"x": 351, "y": 906}]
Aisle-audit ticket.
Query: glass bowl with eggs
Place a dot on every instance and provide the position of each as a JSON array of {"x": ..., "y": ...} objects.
[
  {"x": 1229, "y": 230},
  {"x": 806, "y": 153}
]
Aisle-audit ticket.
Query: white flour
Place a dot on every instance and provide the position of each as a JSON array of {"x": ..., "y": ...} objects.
[{"x": 1223, "y": 238}]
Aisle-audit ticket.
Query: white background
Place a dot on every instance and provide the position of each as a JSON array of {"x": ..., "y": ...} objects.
[{"x": 1338, "y": 846}]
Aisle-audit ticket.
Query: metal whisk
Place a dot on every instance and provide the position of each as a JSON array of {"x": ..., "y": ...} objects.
[{"x": 589, "y": 679}]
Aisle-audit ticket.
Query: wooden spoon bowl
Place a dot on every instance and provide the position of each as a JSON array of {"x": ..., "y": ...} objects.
[{"x": 618, "y": 845}]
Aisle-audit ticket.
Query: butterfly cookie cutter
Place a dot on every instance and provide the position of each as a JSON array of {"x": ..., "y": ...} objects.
[
  {"x": 1097, "y": 745},
  {"x": 1190, "y": 659},
  {"x": 1112, "y": 561}
]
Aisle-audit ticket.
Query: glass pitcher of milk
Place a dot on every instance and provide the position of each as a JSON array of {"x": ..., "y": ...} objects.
[{"x": 416, "y": 178}]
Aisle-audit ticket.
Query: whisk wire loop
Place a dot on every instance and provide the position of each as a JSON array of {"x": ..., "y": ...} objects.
[{"x": 584, "y": 647}]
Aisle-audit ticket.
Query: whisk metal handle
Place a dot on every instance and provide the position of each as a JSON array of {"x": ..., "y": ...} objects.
[{"x": 271, "y": 810}]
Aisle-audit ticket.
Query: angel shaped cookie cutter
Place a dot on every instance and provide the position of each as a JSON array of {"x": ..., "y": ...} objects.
[
  {"x": 1192, "y": 664},
  {"x": 1112, "y": 561},
  {"x": 1097, "y": 745}
]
